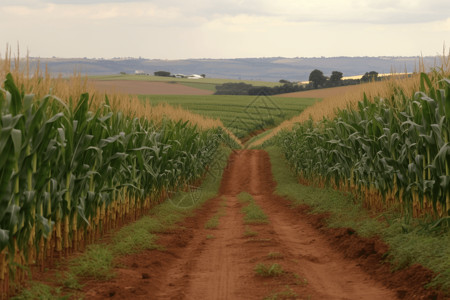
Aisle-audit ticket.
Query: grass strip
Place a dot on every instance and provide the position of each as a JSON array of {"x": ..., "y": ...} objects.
[
  {"x": 96, "y": 262},
  {"x": 213, "y": 223},
  {"x": 245, "y": 198},
  {"x": 41, "y": 291},
  {"x": 253, "y": 214},
  {"x": 286, "y": 293},
  {"x": 268, "y": 270},
  {"x": 249, "y": 232}
]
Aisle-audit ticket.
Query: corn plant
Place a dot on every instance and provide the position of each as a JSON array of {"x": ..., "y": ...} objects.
[
  {"x": 392, "y": 151},
  {"x": 69, "y": 173}
]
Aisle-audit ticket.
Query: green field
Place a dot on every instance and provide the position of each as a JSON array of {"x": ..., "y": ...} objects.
[
  {"x": 204, "y": 83},
  {"x": 241, "y": 114}
]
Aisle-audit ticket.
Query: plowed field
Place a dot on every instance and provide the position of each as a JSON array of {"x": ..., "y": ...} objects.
[{"x": 135, "y": 87}]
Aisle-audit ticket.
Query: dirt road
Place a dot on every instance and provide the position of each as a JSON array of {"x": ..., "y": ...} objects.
[{"x": 201, "y": 263}]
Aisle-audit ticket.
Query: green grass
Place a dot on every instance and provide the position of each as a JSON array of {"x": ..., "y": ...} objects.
[
  {"x": 287, "y": 293},
  {"x": 222, "y": 209},
  {"x": 221, "y": 212},
  {"x": 96, "y": 262},
  {"x": 212, "y": 223},
  {"x": 409, "y": 243},
  {"x": 249, "y": 232},
  {"x": 241, "y": 114},
  {"x": 253, "y": 214},
  {"x": 200, "y": 85},
  {"x": 39, "y": 291},
  {"x": 203, "y": 81},
  {"x": 134, "y": 241},
  {"x": 69, "y": 280},
  {"x": 275, "y": 255},
  {"x": 272, "y": 270},
  {"x": 245, "y": 198},
  {"x": 299, "y": 280},
  {"x": 261, "y": 240},
  {"x": 223, "y": 206},
  {"x": 138, "y": 236},
  {"x": 257, "y": 137}
]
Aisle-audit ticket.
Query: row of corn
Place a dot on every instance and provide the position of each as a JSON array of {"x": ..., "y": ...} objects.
[
  {"x": 69, "y": 172},
  {"x": 390, "y": 152}
]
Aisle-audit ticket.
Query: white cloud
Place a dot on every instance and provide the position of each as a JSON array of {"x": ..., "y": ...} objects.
[
  {"x": 227, "y": 28},
  {"x": 350, "y": 11},
  {"x": 139, "y": 13}
]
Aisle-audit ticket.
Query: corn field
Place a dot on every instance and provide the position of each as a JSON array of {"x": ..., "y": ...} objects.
[
  {"x": 69, "y": 171},
  {"x": 390, "y": 151}
]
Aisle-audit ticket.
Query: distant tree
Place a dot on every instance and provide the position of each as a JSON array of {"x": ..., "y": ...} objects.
[
  {"x": 233, "y": 88},
  {"x": 317, "y": 78},
  {"x": 162, "y": 73},
  {"x": 203, "y": 75},
  {"x": 261, "y": 90},
  {"x": 123, "y": 73},
  {"x": 284, "y": 81},
  {"x": 336, "y": 76},
  {"x": 369, "y": 76}
]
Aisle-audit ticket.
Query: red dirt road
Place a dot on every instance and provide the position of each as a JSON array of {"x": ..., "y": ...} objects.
[{"x": 201, "y": 263}]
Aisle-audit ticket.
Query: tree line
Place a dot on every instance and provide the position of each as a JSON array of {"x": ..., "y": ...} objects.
[{"x": 316, "y": 80}]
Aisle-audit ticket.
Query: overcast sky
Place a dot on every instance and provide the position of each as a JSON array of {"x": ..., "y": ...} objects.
[{"x": 174, "y": 29}]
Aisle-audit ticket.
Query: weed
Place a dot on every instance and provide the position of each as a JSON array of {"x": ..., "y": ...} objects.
[
  {"x": 249, "y": 232},
  {"x": 275, "y": 255},
  {"x": 245, "y": 198},
  {"x": 133, "y": 239},
  {"x": 41, "y": 291},
  {"x": 69, "y": 280},
  {"x": 210, "y": 236},
  {"x": 299, "y": 280},
  {"x": 221, "y": 212},
  {"x": 224, "y": 202},
  {"x": 212, "y": 223},
  {"x": 259, "y": 240},
  {"x": 96, "y": 262},
  {"x": 268, "y": 270},
  {"x": 254, "y": 214},
  {"x": 287, "y": 293}
]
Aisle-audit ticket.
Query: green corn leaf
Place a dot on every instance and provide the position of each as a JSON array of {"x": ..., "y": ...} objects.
[
  {"x": 16, "y": 136},
  {"x": 425, "y": 80},
  {"x": 16, "y": 99}
]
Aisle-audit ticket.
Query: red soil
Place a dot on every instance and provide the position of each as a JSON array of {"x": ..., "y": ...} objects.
[
  {"x": 147, "y": 88},
  {"x": 319, "y": 262}
]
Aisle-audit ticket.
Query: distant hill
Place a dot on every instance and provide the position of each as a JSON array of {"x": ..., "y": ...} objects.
[{"x": 266, "y": 69}]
